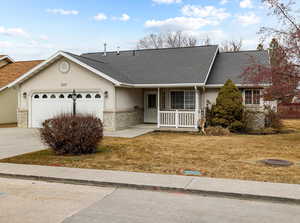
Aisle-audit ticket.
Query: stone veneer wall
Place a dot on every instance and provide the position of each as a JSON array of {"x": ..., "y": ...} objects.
[
  {"x": 109, "y": 121},
  {"x": 125, "y": 119},
  {"x": 112, "y": 120},
  {"x": 22, "y": 118},
  {"x": 256, "y": 121}
]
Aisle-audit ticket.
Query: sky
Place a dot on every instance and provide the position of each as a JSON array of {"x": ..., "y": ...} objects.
[{"x": 34, "y": 29}]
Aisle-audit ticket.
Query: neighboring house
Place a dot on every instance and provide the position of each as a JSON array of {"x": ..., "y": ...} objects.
[
  {"x": 10, "y": 71},
  {"x": 168, "y": 87}
]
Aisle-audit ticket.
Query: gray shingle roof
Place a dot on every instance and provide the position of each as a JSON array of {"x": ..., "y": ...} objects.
[
  {"x": 174, "y": 65},
  {"x": 103, "y": 67},
  {"x": 231, "y": 65},
  {"x": 155, "y": 66}
]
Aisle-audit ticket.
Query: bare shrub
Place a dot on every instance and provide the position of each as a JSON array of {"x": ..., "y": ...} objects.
[
  {"x": 272, "y": 119},
  {"x": 217, "y": 131},
  {"x": 67, "y": 134}
]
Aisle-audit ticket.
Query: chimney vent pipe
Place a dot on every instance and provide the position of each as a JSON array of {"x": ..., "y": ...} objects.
[{"x": 104, "y": 53}]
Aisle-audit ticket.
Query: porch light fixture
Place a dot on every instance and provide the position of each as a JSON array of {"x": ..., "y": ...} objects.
[
  {"x": 106, "y": 94},
  {"x": 24, "y": 95},
  {"x": 74, "y": 98}
]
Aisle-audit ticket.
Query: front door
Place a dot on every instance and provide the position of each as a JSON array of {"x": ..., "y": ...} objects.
[{"x": 150, "y": 113}]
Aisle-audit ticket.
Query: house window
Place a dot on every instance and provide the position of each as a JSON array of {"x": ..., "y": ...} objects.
[
  {"x": 189, "y": 100},
  {"x": 152, "y": 101},
  {"x": 183, "y": 100},
  {"x": 177, "y": 99},
  {"x": 252, "y": 97}
]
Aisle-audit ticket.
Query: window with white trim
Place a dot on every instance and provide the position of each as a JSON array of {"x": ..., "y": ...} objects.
[
  {"x": 152, "y": 101},
  {"x": 252, "y": 97},
  {"x": 182, "y": 99}
]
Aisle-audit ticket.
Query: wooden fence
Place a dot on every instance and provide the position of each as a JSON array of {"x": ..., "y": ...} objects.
[{"x": 289, "y": 110}]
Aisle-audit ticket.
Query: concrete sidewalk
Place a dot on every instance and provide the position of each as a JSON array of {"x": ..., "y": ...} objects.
[{"x": 201, "y": 185}]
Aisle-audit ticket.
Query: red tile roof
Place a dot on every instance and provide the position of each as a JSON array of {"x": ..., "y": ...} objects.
[{"x": 12, "y": 71}]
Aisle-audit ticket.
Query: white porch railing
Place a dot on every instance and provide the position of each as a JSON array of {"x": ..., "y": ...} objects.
[{"x": 179, "y": 119}]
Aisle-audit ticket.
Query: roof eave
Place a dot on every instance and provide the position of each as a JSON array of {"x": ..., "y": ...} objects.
[
  {"x": 7, "y": 58},
  {"x": 238, "y": 85},
  {"x": 52, "y": 59},
  {"x": 170, "y": 85}
]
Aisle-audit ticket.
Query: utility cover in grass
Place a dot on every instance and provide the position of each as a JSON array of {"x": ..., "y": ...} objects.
[{"x": 192, "y": 172}]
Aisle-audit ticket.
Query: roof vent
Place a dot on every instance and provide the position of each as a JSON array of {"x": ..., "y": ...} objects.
[
  {"x": 104, "y": 53},
  {"x": 118, "y": 50}
]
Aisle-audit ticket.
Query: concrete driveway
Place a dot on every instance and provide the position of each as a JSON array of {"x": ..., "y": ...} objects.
[{"x": 17, "y": 141}]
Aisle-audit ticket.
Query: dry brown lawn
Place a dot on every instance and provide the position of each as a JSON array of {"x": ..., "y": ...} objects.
[{"x": 233, "y": 156}]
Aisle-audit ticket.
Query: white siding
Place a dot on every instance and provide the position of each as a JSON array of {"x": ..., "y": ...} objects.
[
  {"x": 79, "y": 78},
  {"x": 127, "y": 99},
  {"x": 8, "y": 106}
]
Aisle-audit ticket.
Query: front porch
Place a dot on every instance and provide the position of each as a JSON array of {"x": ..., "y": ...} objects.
[{"x": 174, "y": 108}]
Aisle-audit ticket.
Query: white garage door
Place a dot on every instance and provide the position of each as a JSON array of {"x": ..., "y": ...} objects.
[{"x": 48, "y": 105}]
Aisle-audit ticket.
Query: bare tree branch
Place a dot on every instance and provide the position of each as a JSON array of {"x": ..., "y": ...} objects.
[
  {"x": 167, "y": 40},
  {"x": 231, "y": 46}
]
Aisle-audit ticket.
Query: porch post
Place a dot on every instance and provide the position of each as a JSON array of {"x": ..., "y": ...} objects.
[
  {"x": 158, "y": 108},
  {"x": 196, "y": 107}
]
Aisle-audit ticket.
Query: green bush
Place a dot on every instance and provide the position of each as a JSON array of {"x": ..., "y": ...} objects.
[{"x": 228, "y": 110}]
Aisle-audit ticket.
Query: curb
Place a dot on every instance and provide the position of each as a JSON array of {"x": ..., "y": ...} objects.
[{"x": 231, "y": 195}]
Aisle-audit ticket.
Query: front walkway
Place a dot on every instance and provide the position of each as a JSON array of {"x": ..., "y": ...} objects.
[
  {"x": 132, "y": 131},
  {"x": 142, "y": 129}
]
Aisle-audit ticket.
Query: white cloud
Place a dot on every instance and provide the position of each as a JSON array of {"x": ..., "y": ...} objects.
[
  {"x": 63, "y": 11},
  {"x": 179, "y": 23},
  {"x": 100, "y": 17},
  {"x": 43, "y": 37},
  {"x": 248, "y": 19},
  {"x": 5, "y": 44},
  {"x": 206, "y": 11},
  {"x": 13, "y": 32},
  {"x": 194, "y": 18},
  {"x": 246, "y": 4},
  {"x": 215, "y": 36},
  {"x": 250, "y": 44},
  {"x": 166, "y": 1},
  {"x": 223, "y": 2},
  {"x": 124, "y": 17}
]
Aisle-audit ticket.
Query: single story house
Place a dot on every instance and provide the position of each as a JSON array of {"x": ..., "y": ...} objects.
[
  {"x": 10, "y": 70},
  {"x": 168, "y": 87}
]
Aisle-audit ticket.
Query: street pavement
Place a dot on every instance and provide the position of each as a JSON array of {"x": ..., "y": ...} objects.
[{"x": 38, "y": 202}]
